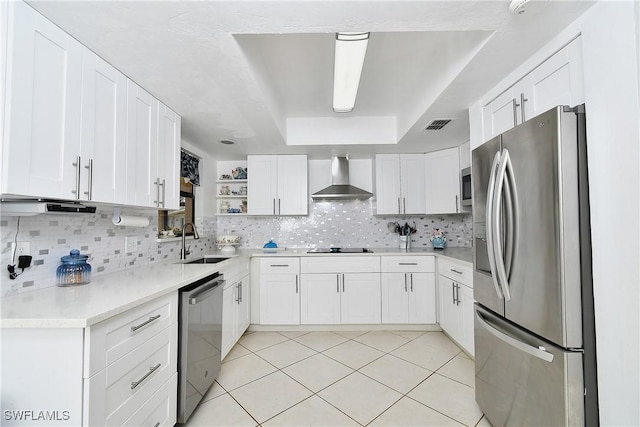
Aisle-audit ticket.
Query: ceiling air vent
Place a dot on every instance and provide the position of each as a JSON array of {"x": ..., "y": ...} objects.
[{"x": 437, "y": 124}]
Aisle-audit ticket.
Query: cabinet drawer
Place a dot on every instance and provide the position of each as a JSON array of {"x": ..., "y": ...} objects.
[
  {"x": 107, "y": 341},
  {"x": 118, "y": 391},
  {"x": 408, "y": 264},
  {"x": 160, "y": 409},
  {"x": 277, "y": 265},
  {"x": 458, "y": 271},
  {"x": 340, "y": 264}
]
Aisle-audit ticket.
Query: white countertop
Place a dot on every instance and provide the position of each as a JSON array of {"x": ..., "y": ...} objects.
[{"x": 111, "y": 294}]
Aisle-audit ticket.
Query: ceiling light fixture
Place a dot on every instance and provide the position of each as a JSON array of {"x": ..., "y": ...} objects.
[{"x": 349, "y": 58}]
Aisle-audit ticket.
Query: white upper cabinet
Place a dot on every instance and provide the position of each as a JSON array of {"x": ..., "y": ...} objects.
[
  {"x": 400, "y": 184},
  {"x": 277, "y": 185},
  {"x": 557, "y": 81},
  {"x": 76, "y": 128},
  {"x": 103, "y": 131},
  {"x": 42, "y": 108},
  {"x": 442, "y": 181},
  {"x": 169, "y": 131},
  {"x": 142, "y": 146}
]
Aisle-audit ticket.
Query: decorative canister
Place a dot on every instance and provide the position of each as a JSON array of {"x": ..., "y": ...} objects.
[{"x": 74, "y": 270}]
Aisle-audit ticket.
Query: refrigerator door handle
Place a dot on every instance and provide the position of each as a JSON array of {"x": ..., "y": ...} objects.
[
  {"x": 513, "y": 216},
  {"x": 538, "y": 352},
  {"x": 497, "y": 243},
  {"x": 489, "y": 216}
]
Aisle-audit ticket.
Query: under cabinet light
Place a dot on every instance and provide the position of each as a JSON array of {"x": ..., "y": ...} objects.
[{"x": 349, "y": 58}]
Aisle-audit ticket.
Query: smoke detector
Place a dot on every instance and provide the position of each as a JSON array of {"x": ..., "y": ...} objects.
[{"x": 518, "y": 7}]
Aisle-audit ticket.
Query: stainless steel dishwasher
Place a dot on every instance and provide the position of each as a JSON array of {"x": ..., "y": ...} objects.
[{"x": 200, "y": 341}]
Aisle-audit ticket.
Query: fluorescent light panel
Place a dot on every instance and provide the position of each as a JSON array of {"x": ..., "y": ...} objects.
[{"x": 349, "y": 58}]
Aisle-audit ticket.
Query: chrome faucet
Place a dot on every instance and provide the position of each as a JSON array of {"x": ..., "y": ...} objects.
[{"x": 184, "y": 251}]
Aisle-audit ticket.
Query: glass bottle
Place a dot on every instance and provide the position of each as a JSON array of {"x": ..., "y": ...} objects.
[{"x": 74, "y": 270}]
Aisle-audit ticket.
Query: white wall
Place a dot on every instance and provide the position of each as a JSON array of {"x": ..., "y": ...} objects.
[
  {"x": 610, "y": 37},
  {"x": 613, "y": 112}
]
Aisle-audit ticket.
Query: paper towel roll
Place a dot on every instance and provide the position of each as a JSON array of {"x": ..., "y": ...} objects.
[{"x": 131, "y": 221}]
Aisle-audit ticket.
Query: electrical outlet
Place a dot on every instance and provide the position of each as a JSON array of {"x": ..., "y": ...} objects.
[
  {"x": 130, "y": 244},
  {"x": 22, "y": 248}
]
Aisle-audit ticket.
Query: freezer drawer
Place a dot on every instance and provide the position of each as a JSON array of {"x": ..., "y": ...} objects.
[{"x": 522, "y": 380}]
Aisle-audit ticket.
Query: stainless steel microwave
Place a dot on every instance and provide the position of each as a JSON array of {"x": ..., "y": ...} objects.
[{"x": 465, "y": 183}]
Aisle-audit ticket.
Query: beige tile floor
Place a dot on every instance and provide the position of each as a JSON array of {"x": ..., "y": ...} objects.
[{"x": 399, "y": 378}]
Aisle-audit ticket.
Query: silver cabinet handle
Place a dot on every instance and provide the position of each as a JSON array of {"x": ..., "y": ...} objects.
[
  {"x": 338, "y": 283},
  {"x": 457, "y": 294},
  {"x": 343, "y": 283},
  {"x": 163, "y": 190},
  {"x": 237, "y": 293},
  {"x": 279, "y": 207},
  {"x": 411, "y": 277},
  {"x": 151, "y": 319},
  {"x": 407, "y": 263},
  {"x": 457, "y": 209},
  {"x": 404, "y": 205},
  {"x": 135, "y": 384},
  {"x": 399, "y": 209},
  {"x": 405, "y": 282},
  {"x": 296, "y": 283},
  {"x": 77, "y": 190},
  {"x": 274, "y": 206},
  {"x": 157, "y": 200},
  {"x": 89, "y": 191},
  {"x": 515, "y": 112},
  {"x": 522, "y": 101},
  {"x": 241, "y": 291},
  {"x": 279, "y": 265},
  {"x": 455, "y": 271},
  {"x": 453, "y": 293}
]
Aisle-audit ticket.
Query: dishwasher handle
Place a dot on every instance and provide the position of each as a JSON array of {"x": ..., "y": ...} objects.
[{"x": 205, "y": 291}]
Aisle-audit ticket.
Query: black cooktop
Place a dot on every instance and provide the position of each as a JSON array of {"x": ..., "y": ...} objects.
[{"x": 339, "y": 251}]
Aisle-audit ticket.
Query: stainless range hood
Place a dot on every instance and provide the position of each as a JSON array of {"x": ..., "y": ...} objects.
[{"x": 340, "y": 189}]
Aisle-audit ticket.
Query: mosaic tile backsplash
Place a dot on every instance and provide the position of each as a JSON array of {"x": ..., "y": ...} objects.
[
  {"x": 53, "y": 236},
  {"x": 343, "y": 224}
]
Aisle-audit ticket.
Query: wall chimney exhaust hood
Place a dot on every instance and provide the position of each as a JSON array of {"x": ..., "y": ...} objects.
[{"x": 340, "y": 188}]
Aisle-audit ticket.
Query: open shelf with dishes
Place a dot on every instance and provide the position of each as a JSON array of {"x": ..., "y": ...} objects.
[{"x": 231, "y": 188}]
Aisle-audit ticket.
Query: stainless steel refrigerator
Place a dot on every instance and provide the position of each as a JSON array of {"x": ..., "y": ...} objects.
[{"x": 534, "y": 330}]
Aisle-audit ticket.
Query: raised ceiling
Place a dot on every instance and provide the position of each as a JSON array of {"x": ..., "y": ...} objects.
[{"x": 260, "y": 72}]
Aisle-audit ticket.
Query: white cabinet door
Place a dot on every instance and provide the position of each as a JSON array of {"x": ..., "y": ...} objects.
[
  {"x": 142, "y": 145},
  {"x": 293, "y": 187},
  {"x": 388, "y": 184},
  {"x": 395, "y": 298},
  {"x": 320, "y": 299},
  {"x": 412, "y": 181},
  {"x": 450, "y": 319},
  {"x": 168, "y": 159},
  {"x": 243, "y": 318},
  {"x": 262, "y": 173},
  {"x": 360, "y": 299},
  {"x": 501, "y": 114},
  {"x": 465, "y": 155},
  {"x": 228, "y": 318},
  {"x": 277, "y": 185},
  {"x": 422, "y": 297},
  {"x": 44, "y": 83},
  {"x": 465, "y": 294},
  {"x": 442, "y": 183},
  {"x": 279, "y": 291},
  {"x": 104, "y": 131}
]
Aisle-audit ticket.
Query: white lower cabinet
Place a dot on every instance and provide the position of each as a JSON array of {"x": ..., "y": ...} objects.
[
  {"x": 235, "y": 312},
  {"x": 340, "y": 290},
  {"x": 455, "y": 302},
  {"x": 121, "y": 371},
  {"x": 408, "y": 289},
  {"x": 279, "y": 291}
]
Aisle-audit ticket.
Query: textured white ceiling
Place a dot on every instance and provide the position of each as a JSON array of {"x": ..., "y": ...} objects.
[{"x": 243, "y": 70}]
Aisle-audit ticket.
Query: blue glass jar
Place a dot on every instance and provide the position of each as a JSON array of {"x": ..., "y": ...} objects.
[{"x": 74, "y": 270}]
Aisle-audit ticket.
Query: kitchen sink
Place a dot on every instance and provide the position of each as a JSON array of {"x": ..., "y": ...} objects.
[{"x": 206, "y": 261}]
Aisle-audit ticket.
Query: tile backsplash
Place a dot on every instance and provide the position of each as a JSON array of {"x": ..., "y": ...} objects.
[
  {"x": 348, "y": 223},
  {"x": 344, "y": 224},
  {"x": 53, "y": 236}
]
